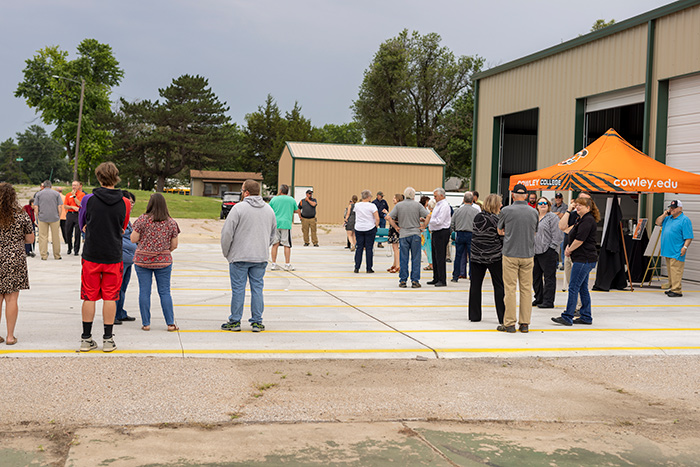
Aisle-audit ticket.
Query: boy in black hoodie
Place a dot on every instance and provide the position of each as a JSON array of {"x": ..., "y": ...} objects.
[{"x": 104, "y": 214}]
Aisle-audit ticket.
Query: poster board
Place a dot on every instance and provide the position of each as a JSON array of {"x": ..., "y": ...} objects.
[
  {"x": 654, "y": 246},
  {"x": 639, "y": 229}
]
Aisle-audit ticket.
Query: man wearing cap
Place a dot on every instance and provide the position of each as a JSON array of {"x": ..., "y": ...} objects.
[
  {"x": 559, "y": 208},
  {"x": 383, "y": 210},
  {"x": 307, "y": 208},
  {"x": 518, "y": 224},
  {"x": 676, "y": 236}
]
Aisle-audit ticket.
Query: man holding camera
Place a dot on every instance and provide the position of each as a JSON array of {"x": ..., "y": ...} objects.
[{"x": 676, "y": 236}]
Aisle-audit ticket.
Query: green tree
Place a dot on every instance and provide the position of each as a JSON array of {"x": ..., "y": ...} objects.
[
  {"x": 42, "y": 156},
  {"x": 409, "y": 86},
  {"x": 188, "y": 130},
  {"x": 382, "y": 108},
  {"x": 264, "y": 134},
  {"x": 454, "y": 140},
  {"x": 9, "y": 167},
  {"x": 347, "y": 133},
  {"x": 57, "y": 100},
  {"x": 601, "y": 24}
]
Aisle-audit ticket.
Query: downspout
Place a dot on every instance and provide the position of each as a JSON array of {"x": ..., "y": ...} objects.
[
  {"x": 475, "y": 126},
  {"x": 651, "y": 35}
]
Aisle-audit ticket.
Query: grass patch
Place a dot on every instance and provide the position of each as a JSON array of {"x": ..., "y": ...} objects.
[{"x": 180, "y": 206}]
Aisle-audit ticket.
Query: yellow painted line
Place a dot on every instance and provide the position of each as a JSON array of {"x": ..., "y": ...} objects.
[
  {"x": 404, "y": 308},
  {"x": 357, "y": 331},
  {"x": 397, "y": 290},
  {"x": 361, "y": 351}
]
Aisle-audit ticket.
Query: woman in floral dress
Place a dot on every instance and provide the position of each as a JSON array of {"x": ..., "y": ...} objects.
[
  {"x": 16, "y": 230},
  {"x": 155, "y": 233}
]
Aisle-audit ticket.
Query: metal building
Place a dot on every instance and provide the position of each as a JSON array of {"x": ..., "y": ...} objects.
[
  {"x": 640, "y": 76},
  {"x": 337, "y": 171}
]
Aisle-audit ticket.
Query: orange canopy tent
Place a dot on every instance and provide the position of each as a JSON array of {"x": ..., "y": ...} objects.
[{"x": 610, "y": 164}]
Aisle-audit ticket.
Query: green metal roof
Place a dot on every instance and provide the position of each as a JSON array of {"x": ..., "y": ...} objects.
[{"x": 593, "y": 36}]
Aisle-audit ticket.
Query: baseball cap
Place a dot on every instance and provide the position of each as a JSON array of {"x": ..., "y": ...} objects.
[
  {"x": 558, "y": 195},
  {"x": 676, "y": 203},
  {"x": 309, "y": 191},
  {"x": 519, "y": 189}
]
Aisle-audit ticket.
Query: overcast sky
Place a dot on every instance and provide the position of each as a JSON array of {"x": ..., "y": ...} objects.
[{"x": 310, "y": 51}]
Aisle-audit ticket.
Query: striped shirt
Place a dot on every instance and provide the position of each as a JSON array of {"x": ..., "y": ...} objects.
[{"x": 548, "y": 234}]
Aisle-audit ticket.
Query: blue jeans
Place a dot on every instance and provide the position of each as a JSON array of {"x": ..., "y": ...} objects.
[
  {"x": 578, "y": 284},
  {"x": 463, "y": 248},
  {"x": 145, "y": 276},
  {"x": 240, "y": 273},
  {"x": 126, "y": 277},
  {"x": 382, "y": 222},
  {"x": 365, "y": 241},
  {"x": 409, "y": 245}
]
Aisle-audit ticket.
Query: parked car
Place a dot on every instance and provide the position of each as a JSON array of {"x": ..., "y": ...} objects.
[{"x": 228, "y": 200}]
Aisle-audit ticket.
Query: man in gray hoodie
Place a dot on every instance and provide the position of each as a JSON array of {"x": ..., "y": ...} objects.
[{"x": 249, "y": 231}]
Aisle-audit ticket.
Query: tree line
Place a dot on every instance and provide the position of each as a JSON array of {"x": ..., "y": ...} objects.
[{"x": 415, "y": 92}]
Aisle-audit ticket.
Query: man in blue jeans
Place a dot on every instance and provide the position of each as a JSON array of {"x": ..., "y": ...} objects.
[
  {"x": 406, "y": 219},
  {"x": 249, "y": 231}
]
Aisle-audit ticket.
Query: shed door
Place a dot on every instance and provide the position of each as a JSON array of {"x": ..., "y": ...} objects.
[{"x": 683, "y": 152}]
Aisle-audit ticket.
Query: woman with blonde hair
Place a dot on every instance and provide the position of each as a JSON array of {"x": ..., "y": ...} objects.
[
  {"x": 486, "y": 255},
  {"x": 584, "y": 255},
  {"x": 16, "y": 230},
  {"x": 155, "y": 233}
]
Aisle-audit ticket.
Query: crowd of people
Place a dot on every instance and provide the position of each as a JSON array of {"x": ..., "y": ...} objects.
[{"x": 519, "y": 245}]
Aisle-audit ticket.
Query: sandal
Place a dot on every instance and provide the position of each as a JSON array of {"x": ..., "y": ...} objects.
[
  {"x": 172, "y": 328},
  {"x": 2, "y": 340},
  {"x": 9, "y": 342},
  {"x": 428, "y": 268},
  {"x": 145, "y": 328}
]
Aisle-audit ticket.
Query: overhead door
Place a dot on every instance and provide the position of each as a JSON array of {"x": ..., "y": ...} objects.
[{"x": 683, "y": 152}]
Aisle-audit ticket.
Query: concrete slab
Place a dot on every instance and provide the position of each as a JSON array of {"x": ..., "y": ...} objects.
[{"x": 323, "y": 309}]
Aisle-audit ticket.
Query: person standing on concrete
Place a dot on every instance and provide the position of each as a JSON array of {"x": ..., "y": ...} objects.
[
  {"x": 439, "y": 224},
  {"x": 462, "y": 225},
  {"x": 307, "y": 208},
  {"x": 559, "y": 208},
  {"x": 47, "y": 210},
  {"x": 676, "y": 236},
  {"x": 566, "y": 223},
  {"x": 366, "y": 221},
  {"x": 405, "y": 218},
  {"x": 128, "y": 251},
  {"x": 518, "y": 224},
  {"x": 284, "y": 208},
  {"x": 103, "y": 217},
  {"x": 250, "y": 229},
  {"x": 72, "y": 206},
  {"x": 383, "y": 210}
]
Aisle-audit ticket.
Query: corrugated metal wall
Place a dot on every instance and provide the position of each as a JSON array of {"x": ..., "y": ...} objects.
[
  {"x": 284, "y": 169},
  {"x": 552, "y": 85},
  {"x": 335, "y": 182}
]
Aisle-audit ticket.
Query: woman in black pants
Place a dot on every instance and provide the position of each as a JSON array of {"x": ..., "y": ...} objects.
[{"x": 486, "y": 254}]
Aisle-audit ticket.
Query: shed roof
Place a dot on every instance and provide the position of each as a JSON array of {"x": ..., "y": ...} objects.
[
  {"x": 217, "y": 175},
  {"x": 365, "y": 153}
]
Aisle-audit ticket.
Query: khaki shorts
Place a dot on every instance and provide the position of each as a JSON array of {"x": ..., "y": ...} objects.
[{"x": 284, "y": 237}]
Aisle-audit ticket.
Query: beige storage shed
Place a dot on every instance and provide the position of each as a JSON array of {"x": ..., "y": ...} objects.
[
  {"x": 337, "y": 171},
  {"x": 215, "y": 183},
  {"x": 640, "y": 76}
]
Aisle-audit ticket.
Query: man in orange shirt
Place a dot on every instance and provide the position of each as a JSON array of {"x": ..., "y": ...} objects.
[{"x": 72, "y": 206}]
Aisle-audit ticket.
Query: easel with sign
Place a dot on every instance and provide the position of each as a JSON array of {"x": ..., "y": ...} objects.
[{"x": 653, "y": 251}]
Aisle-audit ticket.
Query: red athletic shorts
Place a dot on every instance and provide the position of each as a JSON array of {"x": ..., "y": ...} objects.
[{"x": 100, "y": 281}]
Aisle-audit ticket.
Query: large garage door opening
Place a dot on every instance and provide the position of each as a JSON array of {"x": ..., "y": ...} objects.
[
  {"x": 518, "y": 147},
  {"x": 624, "y": 112}
]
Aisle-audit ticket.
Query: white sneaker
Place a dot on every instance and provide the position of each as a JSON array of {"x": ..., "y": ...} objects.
[
  {"x": 288, "y": 267},
  {"x": 274, "y": 267}
]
